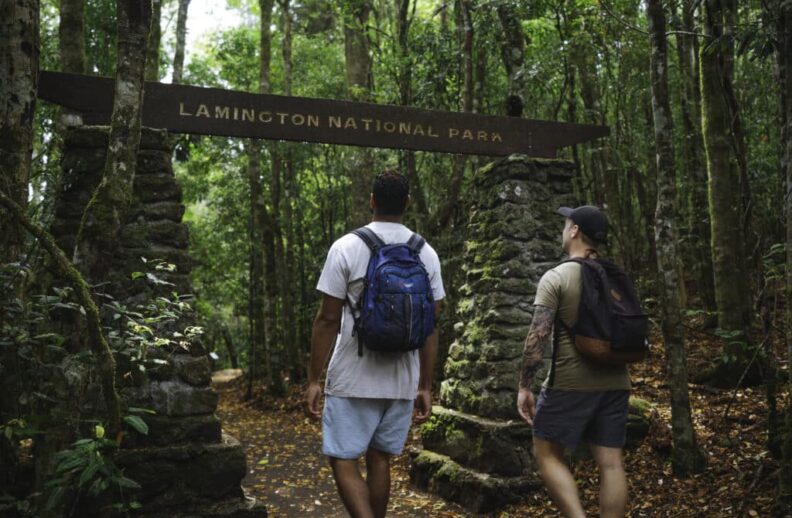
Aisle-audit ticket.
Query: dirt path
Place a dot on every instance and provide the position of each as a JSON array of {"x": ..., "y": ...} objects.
[{"x": 287, "y": 470}]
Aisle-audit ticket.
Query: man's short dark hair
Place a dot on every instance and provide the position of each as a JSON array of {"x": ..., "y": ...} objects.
[{"x": 391, "y": 190}]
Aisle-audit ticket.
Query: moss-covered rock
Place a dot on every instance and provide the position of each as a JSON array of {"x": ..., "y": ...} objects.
[
  {"x": 478, "y": 492},
  {"x": 488, "y": 446}
]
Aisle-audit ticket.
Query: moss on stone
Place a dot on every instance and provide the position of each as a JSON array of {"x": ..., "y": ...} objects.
[{"x": 641, "y": 406}]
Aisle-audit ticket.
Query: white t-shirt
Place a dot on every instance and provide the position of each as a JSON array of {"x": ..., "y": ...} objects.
[{"x": 373, "y": 375}]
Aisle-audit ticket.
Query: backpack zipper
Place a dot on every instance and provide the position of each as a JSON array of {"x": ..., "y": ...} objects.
[{"x": 409, "y": 317}]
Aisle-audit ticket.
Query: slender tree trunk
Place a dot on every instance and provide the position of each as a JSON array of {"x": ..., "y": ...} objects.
[
  {"x": 732, "y": 290},
  {"x": 697, "y": 215},
  {"x": 71, "y": 36},
  {"x": 181, "y": 38},
  {"x": 19, "y": 59},
  {"x": 256, "y": 313},
  {"x": 262, "y": 272},
  {"x": 465, "y": 29},
  {"x": 268, "y": 221},
  {"x": 606, "y": 187},
  {"x": 273, "y": 267},
  {"x": 230, "y": 347},
  {"x": 513, "y": 44},
  {"x": 358, "y": 75},
  {"x": 730, "y": 36},
  {"x": 155, "y": 37},
  {"x": 294, "y": 358},
  {"x": 97, "y": 239},
  {"x": 71, "y": 40},
  {"x": 687, "y": 457},
  {"x": 407, "y": 157},
  {"x": 784, "y": 500}
]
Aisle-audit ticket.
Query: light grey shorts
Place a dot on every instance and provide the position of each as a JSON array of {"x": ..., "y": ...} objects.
[{"x": 350, "y": 426}]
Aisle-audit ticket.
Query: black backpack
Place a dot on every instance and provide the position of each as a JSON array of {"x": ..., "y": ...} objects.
[{"x": 611, "y": 328}]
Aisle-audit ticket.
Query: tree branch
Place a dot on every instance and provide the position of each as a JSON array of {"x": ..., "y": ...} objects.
[{"x": 99, "y": 345}]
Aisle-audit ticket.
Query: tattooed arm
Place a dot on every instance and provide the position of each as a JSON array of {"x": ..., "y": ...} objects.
[{"x": 539, "y": 338}]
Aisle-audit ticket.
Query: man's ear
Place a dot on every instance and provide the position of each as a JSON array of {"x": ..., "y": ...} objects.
[
  {"x": 409, "y": 201},
  {"x": 372, "y": 203}
]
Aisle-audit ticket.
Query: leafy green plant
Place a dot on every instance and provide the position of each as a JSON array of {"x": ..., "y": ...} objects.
[
  {"x": 156, "y": 323},
  {"x": 88, "y": 468}
]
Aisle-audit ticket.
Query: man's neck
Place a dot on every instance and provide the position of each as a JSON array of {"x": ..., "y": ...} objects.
[
  {"x": 386, "y": 219},
  {"x": 581, "y": 252}
]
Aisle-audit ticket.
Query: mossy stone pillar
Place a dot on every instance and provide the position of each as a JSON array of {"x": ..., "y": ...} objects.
[
  {"x": 477, "y": 451},
  {"x": 186, "y": 465}
]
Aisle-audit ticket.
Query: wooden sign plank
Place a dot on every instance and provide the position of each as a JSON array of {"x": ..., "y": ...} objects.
[{"x": 212, "y": 111}]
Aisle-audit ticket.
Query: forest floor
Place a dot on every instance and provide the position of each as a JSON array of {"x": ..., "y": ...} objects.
[{"x": 287, "y": 471}]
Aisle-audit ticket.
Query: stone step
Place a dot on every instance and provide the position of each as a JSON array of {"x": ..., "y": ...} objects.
[
  {"x": 478, "y": 492},
  {"x": 164, "y": 430},
  {"x": 174, "y": 476},
  {"x": 485, "y": 445}
]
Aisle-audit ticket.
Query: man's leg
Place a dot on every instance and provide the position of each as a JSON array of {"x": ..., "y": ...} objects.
[
  {"x": 378, "y": 480},
  {"x": 557, "y": 477},
  {"x": 347, "y": 427},
  {"x": 353, "y": 489},
  {"x": 613, "y": 481}
]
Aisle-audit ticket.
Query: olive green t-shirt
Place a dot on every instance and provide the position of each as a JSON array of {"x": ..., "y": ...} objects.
[{"x": 559, "y": 289}]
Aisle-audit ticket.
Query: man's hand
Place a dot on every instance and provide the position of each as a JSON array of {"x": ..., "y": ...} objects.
[
  {"x": 526, "y": 406},
  {"x": 312, "y": 395},
  {"x": 423, "y": 406}
]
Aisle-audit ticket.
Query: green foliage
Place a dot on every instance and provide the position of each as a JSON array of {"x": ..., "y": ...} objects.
[
  {"x": 155, "y": 323},
  {"x": 87, "y": 468}
]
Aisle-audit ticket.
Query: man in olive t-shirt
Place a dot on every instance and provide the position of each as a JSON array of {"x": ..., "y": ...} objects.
[{"x": 580, "y": 401}]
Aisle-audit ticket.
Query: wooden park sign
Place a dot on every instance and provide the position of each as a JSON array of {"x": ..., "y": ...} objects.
[{"x": 212, "y": 111}]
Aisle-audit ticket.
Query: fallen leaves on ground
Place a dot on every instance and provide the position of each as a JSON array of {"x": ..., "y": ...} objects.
[{"x": 287, "y": 471}]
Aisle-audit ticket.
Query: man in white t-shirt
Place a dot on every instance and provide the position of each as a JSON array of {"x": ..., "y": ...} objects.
[{"x": 370, "y": 398}]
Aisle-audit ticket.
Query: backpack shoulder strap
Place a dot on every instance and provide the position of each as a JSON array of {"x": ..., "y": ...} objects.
[
  {"x": 415, "y": 243},
  {"x": 369, "y": 237}
]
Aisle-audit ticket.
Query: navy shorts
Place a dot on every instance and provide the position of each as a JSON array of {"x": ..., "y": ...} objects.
[{"x": 570, "y": 417}]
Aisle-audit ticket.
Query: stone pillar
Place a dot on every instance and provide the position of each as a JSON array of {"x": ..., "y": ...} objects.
[
  {"x": 186, "y": 465},
  {"x": 477, "y": 451}
]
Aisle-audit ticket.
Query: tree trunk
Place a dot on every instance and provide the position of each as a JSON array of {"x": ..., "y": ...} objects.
[
  {"x": 513, "y": 54},
  {"x": 784, "y": 500},
  {"x": 273, "y": 268},
  {"x": 155, "y": 37},
  {"x": 256, "y": 308},
  {"x": 97, "y": 239},
  {"x": 230, "y": 347},
  {"x": 697, "y": 214},
  {"x": 261, "y": 271},
  {"x": 464, "y": 17},
  {"x": 606, "y": 187},
  {"x": 71, "y": 40},
  {"x": 293, "y": 350},
  {"x": 19, "y": 59},
  {"x": 358, "y": 76},
  {"x": 407, "y": 157},
  {"x": 181, "y": 37},
  {"x": 732, "y": 290},
  {"x": 268, "y": 221},
  {"x": 687, "y": 457}
]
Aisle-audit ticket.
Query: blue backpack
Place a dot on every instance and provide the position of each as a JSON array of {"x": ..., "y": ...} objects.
[{"x": 396, "y": 310}]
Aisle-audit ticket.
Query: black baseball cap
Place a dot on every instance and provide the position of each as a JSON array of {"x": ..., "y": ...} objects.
[{"x": 592, "y": 222}]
